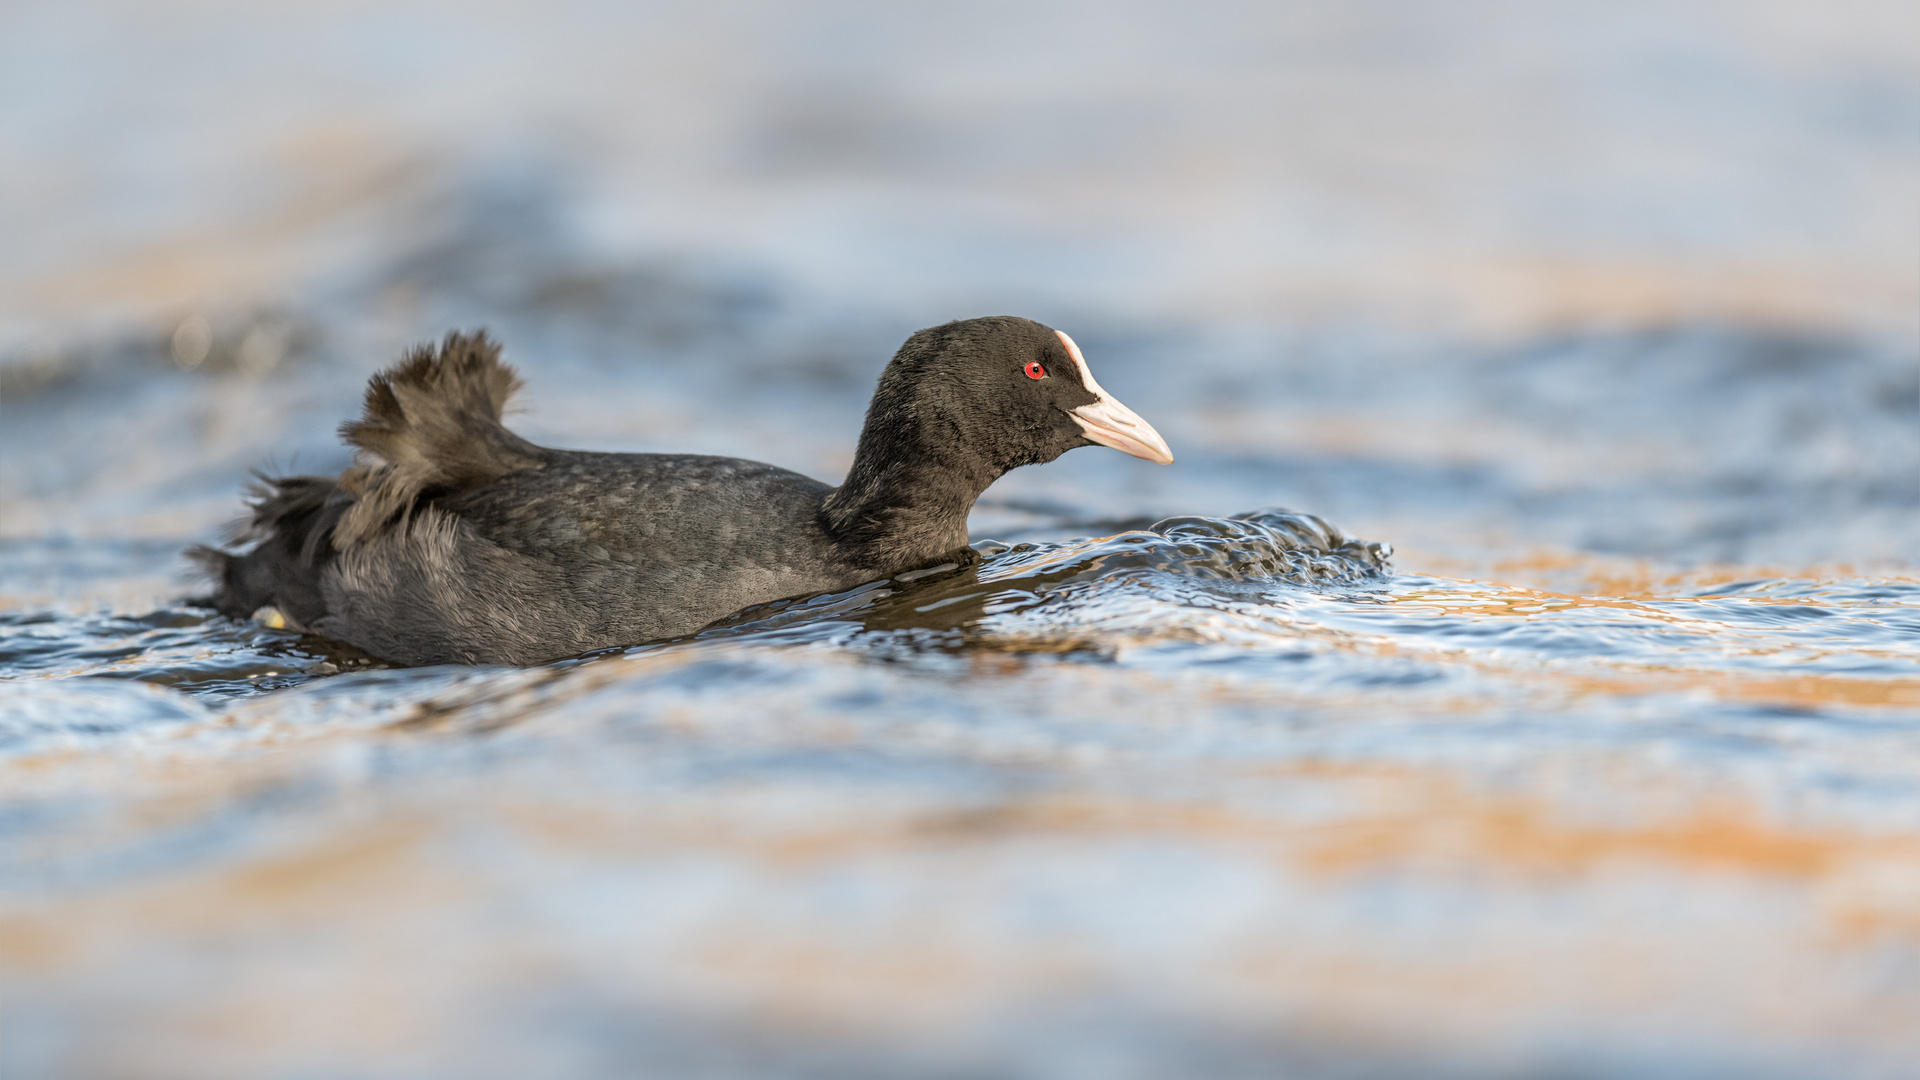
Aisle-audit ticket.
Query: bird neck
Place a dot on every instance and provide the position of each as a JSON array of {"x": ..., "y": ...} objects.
[{"x": 906, "y": 498}]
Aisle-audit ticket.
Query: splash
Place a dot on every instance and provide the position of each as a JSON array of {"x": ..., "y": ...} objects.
[{"x": 1183, "y": 578}]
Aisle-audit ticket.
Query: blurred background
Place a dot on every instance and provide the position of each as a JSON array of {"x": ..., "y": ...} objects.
[
  {"x": 1532, "y": 250},
  {"x": 1613, "y": 304}
]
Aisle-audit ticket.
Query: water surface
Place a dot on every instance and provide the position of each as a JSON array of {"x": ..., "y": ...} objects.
[{"x": 1566, "y": 723}]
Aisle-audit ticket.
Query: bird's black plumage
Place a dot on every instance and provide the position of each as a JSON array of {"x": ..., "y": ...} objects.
[{"x": 453, "y": 540}]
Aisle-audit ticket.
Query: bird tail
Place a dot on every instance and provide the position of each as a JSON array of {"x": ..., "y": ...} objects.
[
  {"x": 430, "y": 428},
  {"x": 289, "y": 525}
]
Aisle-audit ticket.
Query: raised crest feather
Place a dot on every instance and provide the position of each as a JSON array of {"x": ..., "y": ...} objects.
[{"x": 431, "y": 427}]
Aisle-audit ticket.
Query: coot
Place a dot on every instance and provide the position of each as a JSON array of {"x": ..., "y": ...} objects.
[{"x": 453, "y": 540}]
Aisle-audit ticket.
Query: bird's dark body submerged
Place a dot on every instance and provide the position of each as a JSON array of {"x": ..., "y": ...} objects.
[{"x": 452, "y": 540}]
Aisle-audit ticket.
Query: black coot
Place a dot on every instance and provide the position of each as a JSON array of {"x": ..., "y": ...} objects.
[{"x": 453, "y": 540}]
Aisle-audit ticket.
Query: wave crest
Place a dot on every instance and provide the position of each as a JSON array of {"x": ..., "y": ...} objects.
[{"x": 1078, "y": 583}]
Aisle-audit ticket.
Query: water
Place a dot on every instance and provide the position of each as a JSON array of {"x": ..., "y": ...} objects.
[{"x": 1566, "y": 724}]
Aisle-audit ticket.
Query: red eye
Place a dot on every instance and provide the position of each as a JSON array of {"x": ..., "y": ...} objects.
[{"x": 1035, "y": 371}]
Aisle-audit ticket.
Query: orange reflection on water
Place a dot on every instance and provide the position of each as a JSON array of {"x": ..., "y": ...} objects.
[{"x": 1711, "y": 652}]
